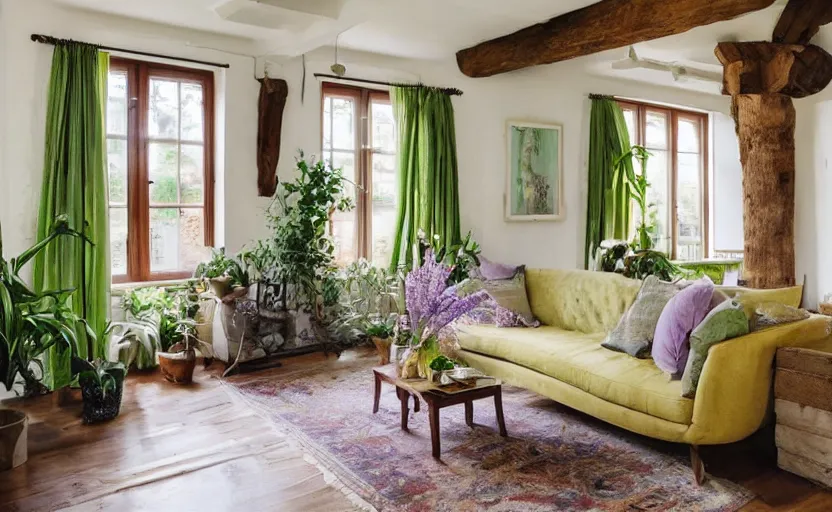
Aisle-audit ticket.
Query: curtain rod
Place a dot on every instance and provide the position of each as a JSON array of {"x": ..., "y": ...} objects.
[
  {"x": 40, "y": 38},
  {"x": 450, "y": 91}
]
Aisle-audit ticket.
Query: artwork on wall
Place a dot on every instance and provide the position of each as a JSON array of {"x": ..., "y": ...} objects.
[{"x": 534, "y": 176}]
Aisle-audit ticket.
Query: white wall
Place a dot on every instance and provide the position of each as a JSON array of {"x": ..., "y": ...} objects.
[
  {"x": 24, "y": 77},
  {"x": 727, "y": 202}
]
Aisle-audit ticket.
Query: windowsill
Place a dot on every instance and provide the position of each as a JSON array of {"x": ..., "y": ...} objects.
[{"x": 119, "y": 289}]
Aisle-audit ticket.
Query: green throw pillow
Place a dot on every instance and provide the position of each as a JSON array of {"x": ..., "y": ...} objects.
[
  {"x": 724, "y": 322},
  {"x": 634, "y": 332}
]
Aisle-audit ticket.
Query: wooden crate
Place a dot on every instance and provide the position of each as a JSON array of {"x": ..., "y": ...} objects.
[{"x": 803, "y": 404}]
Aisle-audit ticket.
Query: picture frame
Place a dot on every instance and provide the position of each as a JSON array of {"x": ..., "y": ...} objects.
[{"x": 534, "y": 172}]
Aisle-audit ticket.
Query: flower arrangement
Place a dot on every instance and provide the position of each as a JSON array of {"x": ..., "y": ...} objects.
[{"x": 432, "y": 306}]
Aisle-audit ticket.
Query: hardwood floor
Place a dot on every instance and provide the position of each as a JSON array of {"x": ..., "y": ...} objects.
[{"x": 197, "y": 448}]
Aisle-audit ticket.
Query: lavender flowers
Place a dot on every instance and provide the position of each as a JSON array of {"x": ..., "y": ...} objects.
[{"x": 431, "y": 304}]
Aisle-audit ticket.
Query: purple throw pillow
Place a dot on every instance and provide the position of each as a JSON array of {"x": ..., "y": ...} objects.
[
  {"x": 490, "y": 271},
  {"x": 686, "y": 310}
]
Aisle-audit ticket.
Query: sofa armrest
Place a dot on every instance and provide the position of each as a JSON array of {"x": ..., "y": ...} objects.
[{"x": 734, "y": 389}]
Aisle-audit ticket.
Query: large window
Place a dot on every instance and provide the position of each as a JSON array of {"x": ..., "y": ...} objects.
[
  {"x": 677, "y": 173},
  {"x": 359, "y": 136},
  {"x": 160, "y": 161}
]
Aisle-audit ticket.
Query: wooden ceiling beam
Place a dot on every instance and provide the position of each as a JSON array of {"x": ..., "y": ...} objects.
[
  {"x": 602, "y": 26},
  {"x": 770, "y": 68},
  {"x": 801, "y": 20}
]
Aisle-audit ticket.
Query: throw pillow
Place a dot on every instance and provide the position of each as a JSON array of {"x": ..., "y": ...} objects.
[
  {"x": 634, "y": 332},
  {"x": 489, "y": 270},
  {"x": 511, "y": 295},
  {"x": 726, "y": 321},
  {"x": 680, "y": 316},
  {"x": 750, "y": 298},
  {"x": 769, "y": 314}
]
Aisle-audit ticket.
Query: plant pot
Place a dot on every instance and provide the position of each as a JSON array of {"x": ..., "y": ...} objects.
[
  {"x": 383, "y": 347},
  {"x": 97, "y": 407},
  {"x": 178, "y": 367},
  {"x": 14, "y": 429},
  {"x": 220, "y": 286}
]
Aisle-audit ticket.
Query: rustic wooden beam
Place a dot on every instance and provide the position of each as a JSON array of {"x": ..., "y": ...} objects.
[
  {"x": 765, "y": 127},
  {"x": 605, "y": 25},
  {"x": 801, "y": 20},
  {"x": 770, "y": 68}
]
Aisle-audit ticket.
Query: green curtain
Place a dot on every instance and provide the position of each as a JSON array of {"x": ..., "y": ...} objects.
[
  {"x": 608, "y": 204},
  {"x": 75, "y": 184},
  {"x": 428, "y": 170}
]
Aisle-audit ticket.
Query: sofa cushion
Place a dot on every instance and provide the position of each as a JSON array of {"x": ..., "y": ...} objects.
[
  {"x": 579, "y": 300},
  {"x": 578, "y": 359},
  {"x": 634, "y": 333}
]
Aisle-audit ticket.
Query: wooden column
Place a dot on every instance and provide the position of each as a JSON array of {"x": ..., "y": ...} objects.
[{"x": 765, "y": 125}]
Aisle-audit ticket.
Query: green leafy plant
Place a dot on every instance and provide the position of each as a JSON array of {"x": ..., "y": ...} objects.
[
  {"x": 221, "y": 265},
  {"x": 463, "y": 257},
  {"x": 638, "y": 188},
  {"x": 109, "y": 377},
  {"x": 441, "y": 364},
  {"x": 299, "y": 217},
  {"x": 171, "y": 313},
  {"x": 367, "y": 302},
  {"x": 647, "y": 263},
  {"x": 33, "y": 322}
]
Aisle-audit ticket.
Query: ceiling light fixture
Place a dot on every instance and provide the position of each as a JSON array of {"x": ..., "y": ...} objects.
[{"x": 338, "y": 69}]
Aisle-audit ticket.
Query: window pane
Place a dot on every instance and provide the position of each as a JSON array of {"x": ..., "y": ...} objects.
[
  {"x": 163, "y": 121},
  {"x": 343, "y": 119},
  {"x": 192, "y": 250},
  {"x": 657, "y": 197},
  {"x": 117, "y": 170},
  {"x": 117, "y": 103},
  {"x": 327, "y": 122},
  {"x": 384, "y": 128},
  {"x": 192, "y": 112},
  {"x": 688, "y": 136},
  {"x": 344, "y": 227},
  {"x": 384, "y": 208},
  {"x": 191, "y": 175},
  {"x": 162, "y": 166},
  {"x": 118, "y": 241},
  {"x": 164, "y": 239},
  {"x": 689, "y": 208},
  {"x": 630, "y": 121},
  {"x": 656, "y": 130}
]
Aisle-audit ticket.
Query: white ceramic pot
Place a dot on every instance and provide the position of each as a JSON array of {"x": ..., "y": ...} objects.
[{"x": 14, "y": 429}]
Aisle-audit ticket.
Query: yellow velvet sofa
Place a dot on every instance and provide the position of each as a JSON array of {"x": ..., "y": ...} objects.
[{"x": 563, "y": 360}]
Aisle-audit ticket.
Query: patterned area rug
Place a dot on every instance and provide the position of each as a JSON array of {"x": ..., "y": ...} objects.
[{"x": 554, "y": 458}]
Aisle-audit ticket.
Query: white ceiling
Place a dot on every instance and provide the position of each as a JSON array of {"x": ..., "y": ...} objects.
[{"x": 424, "y": 29}]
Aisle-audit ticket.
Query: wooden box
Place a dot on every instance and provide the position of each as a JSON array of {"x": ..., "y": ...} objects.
[{"x": 803, "y": 404}]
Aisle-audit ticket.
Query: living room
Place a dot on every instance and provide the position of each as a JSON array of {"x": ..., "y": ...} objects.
[{"x": 493, "y": 203}]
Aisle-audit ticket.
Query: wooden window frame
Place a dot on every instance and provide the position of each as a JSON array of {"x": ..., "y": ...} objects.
[
  {"x": 674, "y": 115},
  {"x": 364, "y": 151},
  {"x": 139, "y": 74}
]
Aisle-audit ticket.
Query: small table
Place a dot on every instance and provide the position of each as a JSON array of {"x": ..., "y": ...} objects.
[{"x": 436, "y": 399}]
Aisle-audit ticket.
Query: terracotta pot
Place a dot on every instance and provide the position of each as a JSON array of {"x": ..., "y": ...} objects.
[
  {"x": 383, "y": 348},
  {"x": 14, "y": 429},
  {"x": 178, "y": 367}
]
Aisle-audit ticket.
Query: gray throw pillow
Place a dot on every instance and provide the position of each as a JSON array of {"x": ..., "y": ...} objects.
[
  {"x": 511, "y": 295},
  {"x": 634, "y": 332},
  {"x": 724, "y": 322}
]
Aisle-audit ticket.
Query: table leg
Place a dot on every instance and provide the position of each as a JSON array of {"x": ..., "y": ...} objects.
[
  {"x": 433, "y": 412},
  {"x": 498, "y": 407},
  {"x": 415, "y": 403},
  {"x": 403, "y": 397},
  {"x": 469, "y": 413},
  {"x": 377, "y": 394}
]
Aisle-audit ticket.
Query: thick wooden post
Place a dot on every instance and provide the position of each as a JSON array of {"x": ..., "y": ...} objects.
[{"x": 766, "y": 124}]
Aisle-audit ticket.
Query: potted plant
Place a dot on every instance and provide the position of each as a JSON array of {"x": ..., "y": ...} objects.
[
  {"x": 432, "y": 305},
  {"x": 30, "y": 324},
  {"x": 179, "y": 362},
  {"x": 223, "y": 274},
  {"x": 438, "y": 365},
  {"x": 102, "y": 384},
  {"x": 381, "y": 331}
]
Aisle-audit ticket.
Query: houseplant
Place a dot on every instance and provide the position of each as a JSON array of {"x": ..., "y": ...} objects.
[
  {"x": 178, "y": 363},
  {"x": 30, "y": 324},
  {"x": 223, "y": 273},
  {"x": 101, "y": 384},
  {"x": 432, "y": 305}
]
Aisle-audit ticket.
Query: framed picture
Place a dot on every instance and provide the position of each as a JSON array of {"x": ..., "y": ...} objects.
[{"x": 534, "y": 178}]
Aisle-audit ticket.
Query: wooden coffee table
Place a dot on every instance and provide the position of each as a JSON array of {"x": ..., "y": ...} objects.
[{"x": 436, "y": 399}]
